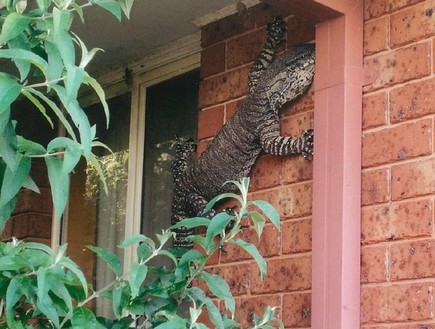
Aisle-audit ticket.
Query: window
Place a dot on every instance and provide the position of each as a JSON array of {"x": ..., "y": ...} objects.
[
  {"x": 171, "y": 110},
  {"x": 143, "y": 125},
  {"x": 95, "y": 217}
]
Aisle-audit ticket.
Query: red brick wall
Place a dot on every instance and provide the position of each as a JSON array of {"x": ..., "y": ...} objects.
[
  {"x": 230, "y": 45},
  {"x": 398, "y": 166},
  {"x": 31, "y": 219}
]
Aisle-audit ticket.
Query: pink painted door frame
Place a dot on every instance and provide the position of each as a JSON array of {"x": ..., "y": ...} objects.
[
  {"x": 336, "y": 204},
  {"x": 337, "y": 167}
]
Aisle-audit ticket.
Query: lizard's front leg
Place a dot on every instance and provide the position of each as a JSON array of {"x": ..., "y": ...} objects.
[{"x": 283, "y": 145}]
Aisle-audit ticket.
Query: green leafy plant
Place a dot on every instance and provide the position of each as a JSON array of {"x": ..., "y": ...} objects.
[
  {"x": 42, "y": 288},
  {"x": 39, "y": 287},
  {"x": 49, "y": 74}
]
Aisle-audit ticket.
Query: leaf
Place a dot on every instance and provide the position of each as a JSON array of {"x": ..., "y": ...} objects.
[
  {"x": 192, "y": 255},
  {"x": 54, "y": 59},
  {"x": 79, "y": 118},
  {"x": 217, "y": 225},
  {"x": 13, "y": 25},
  {"x": 215, "y": 316},
  {"x": 70, "y": 265},
  {"x": 6, "y": 211},
  {"x": 25, "y": 55},
  {"x": 191, "y": 222},
  {"x": 38, "y": 105},
  {"x": 13, "y": 294},
  {"x": 220, "y": 289},
  {"x": 111, "y": 259},
  {"x": 119, "y": 298},
  {"x": 14, "y": 180},
  {"x": 168, "y": 254},
  {"x": 29, "y": 147},
  {"x": 61, "y": 38},
  {"x": 258, "y": 221},
  {"x": 72, "y": 152},
  {"x": 59, "y": 184},
  {"x": 56, "y": 110},
  {"x": 8, "y": 141},
  {"x": 20, "y": 42},
  {"x": 126, "y": 6},
  {"x": 44, "y": 302},
  {"x": 135, "y": 239},
  {"x": 30, "y": 184},
  {"x": 269, "y": 211},
  {"x": 136, "y": 277},
  {"x": 9, "y": 90},
  {"x": 213, "y": 201},
  {"x": 96, "y": 165},
  {"x": 253, "y": 251},
  {"x": 101, "y": 95},
  {"x": 74, "y": 79},
  {"x": 111, "y": 6},
  {"x": 84, "y": 318}
]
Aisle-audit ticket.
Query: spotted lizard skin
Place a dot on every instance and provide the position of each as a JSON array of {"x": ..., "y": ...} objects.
[{"x": 253, "y": 129}]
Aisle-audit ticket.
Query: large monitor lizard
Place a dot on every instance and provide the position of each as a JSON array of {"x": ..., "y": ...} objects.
[{"x": 254, "y": 128}]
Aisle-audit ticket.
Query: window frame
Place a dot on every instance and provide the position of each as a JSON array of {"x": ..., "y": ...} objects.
[
  {"x": 168, "y": 69},
  {"x": 180, "y": 57}
]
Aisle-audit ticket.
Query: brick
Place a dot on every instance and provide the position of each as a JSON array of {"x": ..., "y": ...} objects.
[
  {"x": 29, "y": 201},
  {"x": 283, "y": 275},
  {"x": 237, "y": 277},
  {"x": 398, "y": 66},
  {"x": 413, "y": 179},
  {"x": 415, "y": 326},
  {"x": 374, "y": 264},
  {"x": 220, "y": 88},
  {"x": 375, "y": 224},
  {"x": 290, "y": 201},
  {"x": 297, "y": 236},
  {"x": 397, "y": 221},
  {"x": 226, "y": 28},
  {"x": 268, "y": 245},
  {"x": 213, "y": 60},
  {"x": 301, "y": 104},
  {"x": 210, "y": 121},
  {"x": 374, "y": 109},
  {"x": 376, "y": 35},
  {"x": 412, "y": 101},
  {"x": 39, "y": 174},
  {"x": 404, "y": 302},
  {"x": 231, "y": 108},
  {"x": 266, "y": 172},
  {"x": 296, "y": 124},
  {"x": 245, "y": 48},
  {"x": 296, "y": 169},
  {"x": 32, "y": 225},
  {"x": 397, "y": 143},
  {"x": 202, "y": 146},
  {"x": 375, "y": 186},
  {"x": 411, "y": 219},
  {"x": 412, "y": 24},
  {"x": 299, "y": 31},
  {"x": 7, "y": 232},
  {"x": 376, "y": 8},
  {"x": 296, "y": 310},
  {"x": 246, "y": 308},
  {"x": 412, "y": 260},
  {"x": 374, "y": 304}
]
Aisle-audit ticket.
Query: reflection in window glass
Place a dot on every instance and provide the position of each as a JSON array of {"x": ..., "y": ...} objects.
[
  {"x": 171, "y": 110},
  {"x": 96, "y": 217}
]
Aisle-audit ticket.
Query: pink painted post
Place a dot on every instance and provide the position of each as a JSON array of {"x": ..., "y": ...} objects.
[{"x": 337, "y": 169}]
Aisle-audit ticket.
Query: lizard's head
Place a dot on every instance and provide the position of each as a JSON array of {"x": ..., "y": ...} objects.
[{"x": 290, "y": 75}]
